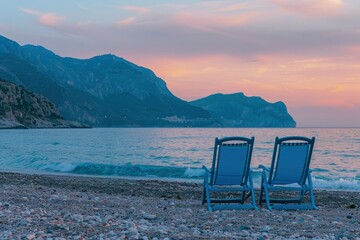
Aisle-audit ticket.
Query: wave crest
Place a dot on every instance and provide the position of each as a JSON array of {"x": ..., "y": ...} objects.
[{"x": 125, "y": 170}]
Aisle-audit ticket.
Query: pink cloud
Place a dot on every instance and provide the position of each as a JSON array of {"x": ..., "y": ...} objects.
[
  {"x": 353, "y": 49},
  {"x": 127, "y": 21},
  {"x": 196, "y": 20},
  {"x": 51, "y": 19},
  {"x": 316, "y": 8},
  {"x": 234, "y": 7},
  {"x": 207, "y": 15},
  {"x": 46, "y": 19}
]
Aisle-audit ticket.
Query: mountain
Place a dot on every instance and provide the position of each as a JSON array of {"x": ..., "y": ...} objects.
[
  {"x": 109, "y": 91},
  {"x": 238, "y": 110},
  {"x": 20, "y": 108},
  {"x": 103, "y": 91}
]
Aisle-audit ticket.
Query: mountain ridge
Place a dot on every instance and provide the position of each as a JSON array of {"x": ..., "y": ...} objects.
[
  {"x": 109, "y": 91},
  {"x": 238, "y": 110},
  {"x": 100, "y": 81}
]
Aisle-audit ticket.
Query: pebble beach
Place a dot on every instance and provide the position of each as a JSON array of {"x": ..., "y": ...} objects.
[{"x": 37, "y": 206}]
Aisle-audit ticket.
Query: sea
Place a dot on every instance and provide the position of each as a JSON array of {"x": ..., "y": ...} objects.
[{"x": 171, "y": 153}]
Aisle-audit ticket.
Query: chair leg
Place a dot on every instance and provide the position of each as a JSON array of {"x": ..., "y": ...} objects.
[
  {"x": 261, "y": 190},
  {"x": 266, "y": 189},
  {"x": 267, "y": 198},
  {"x": 252, "y": 193},
  {"x": 312, "y": 197},
  {"x": 208, "y": 200},
  {"x": 301, "y": 195},
  {"x": 203, "y": 196},
  {"x": 243, "y": 196}
]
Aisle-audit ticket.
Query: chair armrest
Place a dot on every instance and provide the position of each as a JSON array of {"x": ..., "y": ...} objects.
[
  {"x": 206, "y": 176},
  {"x": 206, "y": 169},
  {"x": 255, "y": 170},
  {"x": 264, "y": 168}
]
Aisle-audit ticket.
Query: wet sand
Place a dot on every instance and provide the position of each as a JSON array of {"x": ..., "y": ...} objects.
[{"x": 34, "y": 206}]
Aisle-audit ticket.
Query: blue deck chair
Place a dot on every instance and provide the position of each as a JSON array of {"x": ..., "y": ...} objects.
[
  {"x": 230, "y": 173},
  {"x": 289, "y": 171}
]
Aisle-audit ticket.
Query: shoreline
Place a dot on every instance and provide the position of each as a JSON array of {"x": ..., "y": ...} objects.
[
  {"x": 130, "y": 178},
  {"x": 136, "y": 178},
  {"x": 40, "y": 206}
]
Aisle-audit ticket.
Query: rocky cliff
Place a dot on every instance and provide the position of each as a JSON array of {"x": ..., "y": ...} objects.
[
  {"x": 238, "y": 110},
  {"x": 20, "y": 108}
]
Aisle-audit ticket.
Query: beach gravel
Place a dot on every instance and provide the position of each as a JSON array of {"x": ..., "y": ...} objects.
[{"x": 34, "y": 206}]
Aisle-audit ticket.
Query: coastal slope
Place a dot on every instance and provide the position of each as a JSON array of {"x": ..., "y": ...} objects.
[
  {"x": 238, "y": 110},
  {"x": 20, "y": 108}
]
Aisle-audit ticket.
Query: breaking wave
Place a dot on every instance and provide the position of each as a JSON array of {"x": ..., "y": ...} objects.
[
  {"x": 150, "y": 171},
  {"x": 125, "y": 170}
]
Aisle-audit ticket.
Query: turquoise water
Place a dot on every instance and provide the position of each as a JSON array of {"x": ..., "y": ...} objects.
[{"x": 170, "y": 152}]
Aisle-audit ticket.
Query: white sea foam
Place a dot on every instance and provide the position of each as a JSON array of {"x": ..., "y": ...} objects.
[
  {"x": 59, "y": 167},
  {"x": 341, "y": 184},
  {"x": 194, "y": 172}
]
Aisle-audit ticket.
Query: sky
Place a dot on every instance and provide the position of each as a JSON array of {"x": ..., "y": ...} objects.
[{"x": 305, "y": 53}]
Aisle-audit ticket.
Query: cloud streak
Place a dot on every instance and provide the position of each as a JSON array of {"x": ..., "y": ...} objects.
[
  {"x": 135, "y": 9},
  {"x": 46, "y": 19},
  {"x": 126, "y": 21},
  {"x": 30, "y": 11},
  {"x": 314, "y": 8}
]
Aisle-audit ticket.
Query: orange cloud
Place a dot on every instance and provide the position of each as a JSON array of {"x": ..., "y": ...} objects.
[{"x": 312, "y": 82}]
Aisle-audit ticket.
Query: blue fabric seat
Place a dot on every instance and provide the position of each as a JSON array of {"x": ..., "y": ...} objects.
[
  {"x": 289, "y": 171},
  {"x": 230, "y": 172}
]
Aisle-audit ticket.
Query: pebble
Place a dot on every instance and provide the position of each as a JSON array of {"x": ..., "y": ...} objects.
[
  {"x": 23, "y": 222},
  {"x": 30, "y": 237},
  {"x": 265, "y": 229},
  {"x": 244, "y": 233},
  {"x": 245, "y": 227},
  {"x": 149, "y": 216},
  {"x": 78, "y": 217},
  {"x": 196, "y": 232}
]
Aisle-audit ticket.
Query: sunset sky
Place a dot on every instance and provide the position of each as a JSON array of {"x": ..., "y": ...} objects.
[{"x": 305, "y": 53}]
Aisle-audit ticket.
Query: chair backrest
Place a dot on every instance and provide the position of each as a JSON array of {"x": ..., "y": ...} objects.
[
  {"x": 231, "y": 161},
  {"x": 291, "y": 160}
]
